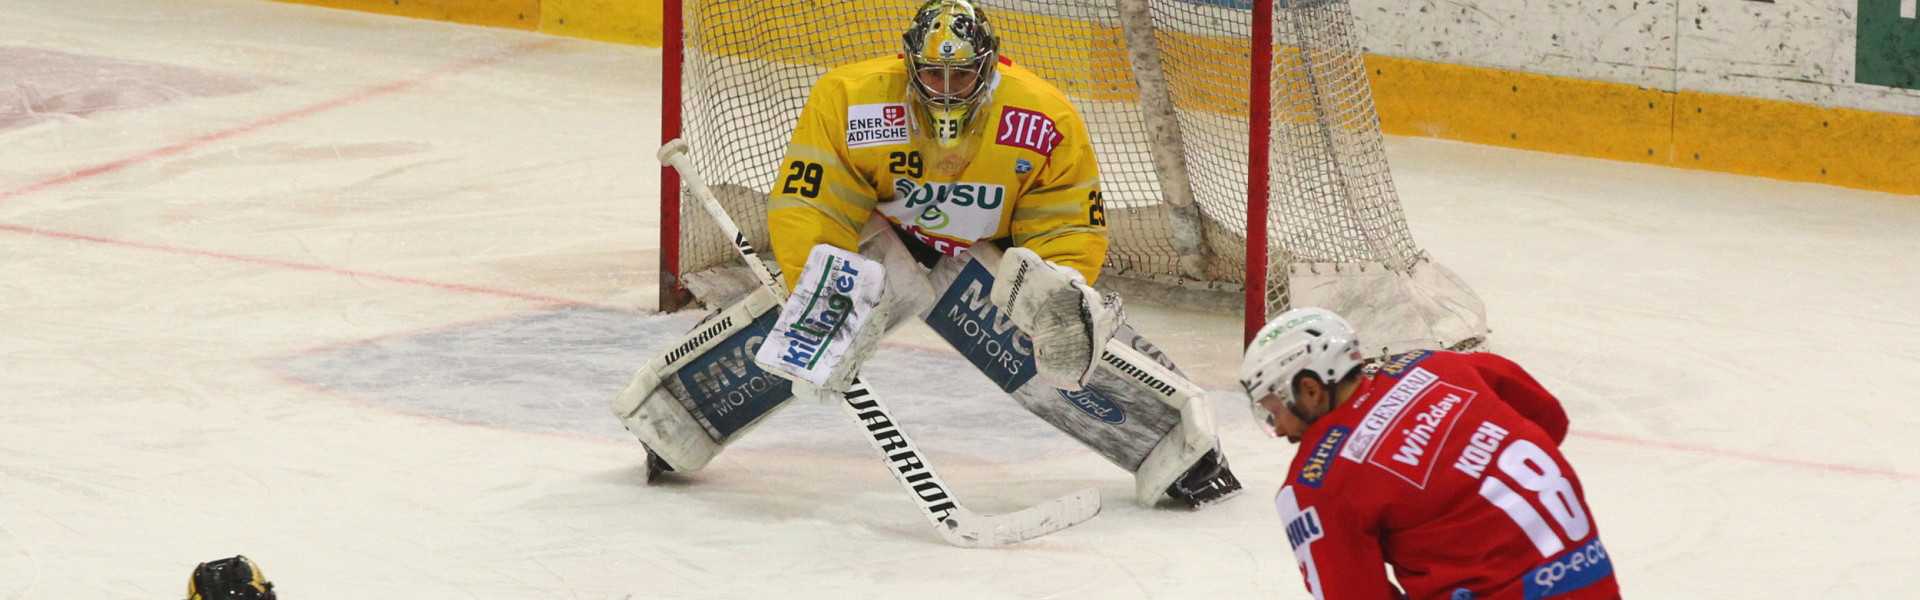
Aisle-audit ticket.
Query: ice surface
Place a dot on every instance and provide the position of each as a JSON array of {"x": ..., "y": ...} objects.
[{"x": 348, "y": 294}]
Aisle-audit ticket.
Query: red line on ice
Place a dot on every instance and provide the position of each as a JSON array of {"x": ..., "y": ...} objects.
[
  {"x": 293, "y": 265},
  {"x": 362, "y": 96}
]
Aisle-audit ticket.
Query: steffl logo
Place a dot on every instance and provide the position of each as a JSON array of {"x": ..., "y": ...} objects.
[{"x": 1022, "y": 128}]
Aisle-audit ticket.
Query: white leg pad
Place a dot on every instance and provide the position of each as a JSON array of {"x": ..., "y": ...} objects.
[
  {"x": 909, "y": 294},
  {"x": 651, "y": 412},
  {"x": 659, "y": 421},
  {"x": 1186, "y": 443}
]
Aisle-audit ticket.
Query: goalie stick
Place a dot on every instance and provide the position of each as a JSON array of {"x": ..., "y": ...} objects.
[{"x": 958, "y": 525}]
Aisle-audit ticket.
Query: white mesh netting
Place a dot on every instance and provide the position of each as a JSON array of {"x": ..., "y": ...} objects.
[{"x": 1163, "y": 86}]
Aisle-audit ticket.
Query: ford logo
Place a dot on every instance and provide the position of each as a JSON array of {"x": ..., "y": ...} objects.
[{"x": 1092, "y": 403}]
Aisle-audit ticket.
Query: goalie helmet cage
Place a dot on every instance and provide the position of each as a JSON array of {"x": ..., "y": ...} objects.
[{"x": 1239, "y": 149}]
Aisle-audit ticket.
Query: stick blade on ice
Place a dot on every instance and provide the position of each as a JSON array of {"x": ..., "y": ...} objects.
[{"x": 973, "y": 530}]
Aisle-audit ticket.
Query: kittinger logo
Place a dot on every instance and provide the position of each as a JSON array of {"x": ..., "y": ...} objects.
[
  {"x": 876, "y": 125},
  {"x": 1023, "y": 128}
]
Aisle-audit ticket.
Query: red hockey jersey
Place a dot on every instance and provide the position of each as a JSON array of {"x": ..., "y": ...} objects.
[{"x": 1447, "y": 467}]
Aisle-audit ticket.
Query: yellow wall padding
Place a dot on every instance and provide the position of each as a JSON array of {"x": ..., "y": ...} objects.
[
  {"x": 511, "y": 14},
  {"x": 1798, "y": 142},
  {"x": 618, "y": 21},
  {"x": 1730, "y": 134},
  {"x": 1521, "y": 110}
]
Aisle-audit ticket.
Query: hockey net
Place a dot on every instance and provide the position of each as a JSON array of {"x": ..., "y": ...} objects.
[{"x": 1163, "y": 86}]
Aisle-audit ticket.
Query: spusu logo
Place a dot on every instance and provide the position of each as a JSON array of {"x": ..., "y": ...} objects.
[
  {"x": 961, "y": 193},
  {"x": 947, "y": 217},
  {"x": 1093, "y": 403},
  {"x": 933, "y": 219}
]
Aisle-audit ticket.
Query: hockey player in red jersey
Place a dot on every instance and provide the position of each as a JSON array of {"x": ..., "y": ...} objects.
[{"x": 1445, "y": 466}]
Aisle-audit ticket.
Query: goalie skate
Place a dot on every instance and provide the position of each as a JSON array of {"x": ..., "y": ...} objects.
[
  {"x": 656, "y": 468},
  {"x": 1207, "y": 483}
]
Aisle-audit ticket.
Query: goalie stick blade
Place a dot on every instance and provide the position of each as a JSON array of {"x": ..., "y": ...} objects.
[{"x": 968, "y": 529}]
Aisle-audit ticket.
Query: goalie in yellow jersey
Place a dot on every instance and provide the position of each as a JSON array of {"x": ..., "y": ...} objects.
[
  {"x": 953, "y": 145},
  {"x": 950, "y": 184}
]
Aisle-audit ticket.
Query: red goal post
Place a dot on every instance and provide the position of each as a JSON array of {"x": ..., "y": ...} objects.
[{"x": 1241, "y": 158}]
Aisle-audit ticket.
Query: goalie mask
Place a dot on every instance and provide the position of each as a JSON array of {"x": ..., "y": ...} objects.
[
  {"x": 950, "y": 52},
  {"x": 1304, "y": 340},
  {"x": 234, "y": 578}
]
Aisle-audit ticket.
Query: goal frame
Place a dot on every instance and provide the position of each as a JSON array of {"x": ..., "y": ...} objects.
[
  {"x": 1435, "y": 300},
  {"x": 1259, "y": 131},
  {"x": 673, "y": 296}
]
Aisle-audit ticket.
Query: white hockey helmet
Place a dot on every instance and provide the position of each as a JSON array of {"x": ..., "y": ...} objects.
[
  {"x": 951, "y": 51},
  {"x": 1302, "y": 340}
]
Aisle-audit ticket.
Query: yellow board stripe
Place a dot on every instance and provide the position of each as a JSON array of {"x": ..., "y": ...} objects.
[
  {"x": 511, "y": 14},
  {"x": 631, "y": 22},
  {"x": 1521, "y": 110},
  {"x": 1729, "y": 134},
  {"x": 1798, "y": 142}
]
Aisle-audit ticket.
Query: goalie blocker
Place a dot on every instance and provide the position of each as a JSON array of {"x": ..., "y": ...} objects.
[
  {"x": 823, "y": 334},
  {"x": 1136, "y": 410}
]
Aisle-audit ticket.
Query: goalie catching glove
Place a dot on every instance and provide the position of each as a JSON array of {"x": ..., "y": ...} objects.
[{"x": 1069, "y": 322}]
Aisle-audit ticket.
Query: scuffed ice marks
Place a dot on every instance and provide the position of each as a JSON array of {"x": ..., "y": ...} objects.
[
  {"x": 44, "y": 85},
  {"x": 555, "y": 372}
]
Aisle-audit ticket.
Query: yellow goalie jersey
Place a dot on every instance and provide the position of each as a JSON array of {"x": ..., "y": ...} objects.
[{"x": 1026, "y": 171}]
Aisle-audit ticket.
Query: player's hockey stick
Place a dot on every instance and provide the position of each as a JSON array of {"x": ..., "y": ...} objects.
[{"x": 960, "y": 527}]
